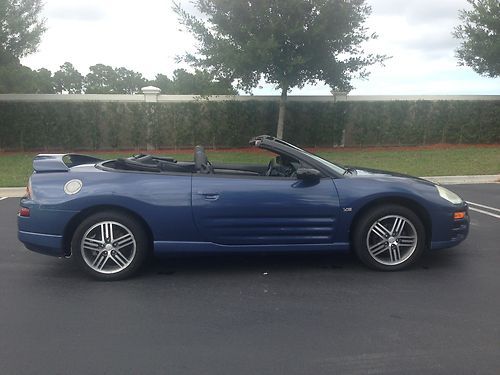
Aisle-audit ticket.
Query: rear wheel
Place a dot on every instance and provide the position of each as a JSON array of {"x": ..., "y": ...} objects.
[
  {"x": 109, "y": 245},
  {"x": 389, "y": 238}
]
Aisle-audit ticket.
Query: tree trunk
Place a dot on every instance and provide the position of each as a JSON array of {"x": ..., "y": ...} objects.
[{"x": 281, "y": 116}]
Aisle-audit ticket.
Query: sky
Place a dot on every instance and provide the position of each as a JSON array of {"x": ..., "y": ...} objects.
[{"x": 146, "y": 37}]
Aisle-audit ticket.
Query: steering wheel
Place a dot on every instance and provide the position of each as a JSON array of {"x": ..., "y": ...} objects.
[
  {"x": 278, "y": 169},
  {"x": 270, "y": 167}
]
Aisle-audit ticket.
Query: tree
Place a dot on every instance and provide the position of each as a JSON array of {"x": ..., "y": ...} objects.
[
  {"x": 163, "y": 83},
  {"x": 19, "y": 79},
  {"x": 197, "y": 83},
  {"x": 68, "y": 79},
  {"x": 480, "y": 32},
  {"x": 128, "y": 81},
  {"x": 44, "y": 83},
  {"x": 289, "y": 43},
  {"x": 103, "y": 79},
  {"x": 20, "y": 32},
  {"x": 200, "y": 83},
  {"x": 20, "y": 28},
  {"x": 16, "y": 78}
]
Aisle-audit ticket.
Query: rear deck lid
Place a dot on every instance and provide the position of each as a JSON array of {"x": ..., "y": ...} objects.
[{"x": 61, "y": 162}]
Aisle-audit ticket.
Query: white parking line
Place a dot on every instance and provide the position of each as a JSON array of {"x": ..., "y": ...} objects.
[
  {"x": 483, "y": 206},
  {"x": 484, "y": 212},
  {"x": 2, "y": 198}
]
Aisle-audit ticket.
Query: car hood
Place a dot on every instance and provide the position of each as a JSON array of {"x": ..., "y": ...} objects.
[{"x": 377, "y": 173}]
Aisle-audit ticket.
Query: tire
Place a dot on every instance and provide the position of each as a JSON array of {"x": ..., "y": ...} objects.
[
  {"x": 110, "y": 245},
  {"x": 389, "y": 238}
]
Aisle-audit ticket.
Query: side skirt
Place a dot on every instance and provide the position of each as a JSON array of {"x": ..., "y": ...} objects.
[{"x": 166, "y": 247}]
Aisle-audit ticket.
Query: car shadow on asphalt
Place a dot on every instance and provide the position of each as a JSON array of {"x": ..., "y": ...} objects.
[
  {"x": 281, "y": 262},
  {"x": 247, "y": 263}
]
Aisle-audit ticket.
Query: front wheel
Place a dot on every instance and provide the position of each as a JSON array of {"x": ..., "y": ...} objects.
[
  {"x": 109, "y": 245},
  {"x": 389, "y": 238}
]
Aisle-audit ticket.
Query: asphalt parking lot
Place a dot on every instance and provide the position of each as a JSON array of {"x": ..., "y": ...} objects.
[{"x": 257, "y": 314}]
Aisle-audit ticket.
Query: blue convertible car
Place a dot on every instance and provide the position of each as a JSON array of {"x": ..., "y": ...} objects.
[{"x": 110, "y": 215}]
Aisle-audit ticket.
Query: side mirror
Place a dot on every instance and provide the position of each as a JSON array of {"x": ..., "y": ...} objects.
[{"x": 308, "y": 174}]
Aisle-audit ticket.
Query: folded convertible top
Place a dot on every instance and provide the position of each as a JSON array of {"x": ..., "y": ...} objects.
[{"x": 149, "y": 163}]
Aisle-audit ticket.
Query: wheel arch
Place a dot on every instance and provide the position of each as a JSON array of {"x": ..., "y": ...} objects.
[
  {"x": 78, "y": 218},
  {"x": 417, "y": 208}
]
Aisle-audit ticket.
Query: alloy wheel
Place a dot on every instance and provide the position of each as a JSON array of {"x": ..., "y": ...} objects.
[
  {"x": 108, "y": 247},
  {"x": 391, "y": 240}
]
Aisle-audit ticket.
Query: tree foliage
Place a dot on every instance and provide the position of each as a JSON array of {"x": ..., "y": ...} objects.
[
  {"x": 129, "y": 82},
  {"x": 20, "y": 28},
  {"x": 480, "y": 34},
  {"x": 43, "y": 81},
  {"x": 16, "y": 78},
  {"x": 197, "y": 83},
  {"x": 289, "y": 43},
  {"x": 68, "y": 80},
  {"x": 104, "y": 79}
]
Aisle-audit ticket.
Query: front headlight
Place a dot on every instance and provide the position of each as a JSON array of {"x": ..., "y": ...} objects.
[{"x": 449, "y": 195}]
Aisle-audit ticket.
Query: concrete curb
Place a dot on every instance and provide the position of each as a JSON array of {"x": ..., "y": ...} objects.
[
  {"x": 12, "y": 192},
  {"x": 456, "y": 180},
  {"x": 16, "y": 192}
]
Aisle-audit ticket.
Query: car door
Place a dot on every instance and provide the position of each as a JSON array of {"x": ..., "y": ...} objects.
[{"x": 255, "y": 210}]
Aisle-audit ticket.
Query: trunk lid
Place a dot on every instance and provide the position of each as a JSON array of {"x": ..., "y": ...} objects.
[{"x": 60, "y": 162}]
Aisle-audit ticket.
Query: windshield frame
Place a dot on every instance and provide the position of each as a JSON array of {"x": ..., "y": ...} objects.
[
  {"x": 278, "y": 146},
  {"x": 336, "y": 168}
]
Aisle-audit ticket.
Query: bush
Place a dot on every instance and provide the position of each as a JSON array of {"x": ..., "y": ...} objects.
[{"x": 112, "y": 125}]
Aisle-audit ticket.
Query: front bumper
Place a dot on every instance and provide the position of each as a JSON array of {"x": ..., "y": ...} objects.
[{"x": 448, "y": 232}]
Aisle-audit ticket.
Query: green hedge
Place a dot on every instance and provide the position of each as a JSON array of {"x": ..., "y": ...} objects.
[{"x": 111, "y": 125}]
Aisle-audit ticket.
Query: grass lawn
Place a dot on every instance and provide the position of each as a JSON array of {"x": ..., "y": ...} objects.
[{"x": 15, "y": 168}]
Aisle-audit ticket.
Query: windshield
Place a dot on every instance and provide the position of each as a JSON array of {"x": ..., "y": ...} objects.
[
  {"x": 329, "y": 164},
  {"x": 337, "y": 169},
  {"x": 334, "y": 167}
]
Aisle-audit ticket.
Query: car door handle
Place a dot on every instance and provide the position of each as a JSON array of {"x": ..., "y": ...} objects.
[{"x": 209, "y": 196}]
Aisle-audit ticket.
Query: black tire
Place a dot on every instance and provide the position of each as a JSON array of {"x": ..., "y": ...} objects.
[
  {"x": 360, "y": 238},
  {"x": 137, "y": 254}
]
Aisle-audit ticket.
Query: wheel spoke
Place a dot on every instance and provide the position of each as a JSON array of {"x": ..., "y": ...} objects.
[
  {"x": 107, "y": 231},
  {"x": 100, "y": 260},
  {"x": 103, "y": 232},
  {"x": 380, "y": 230},
  {"x": 93, "y": 240},
  {"x": 398, "y": 225},
  {"x": 124, "y": 241},
  {"x": 378, "y": 248},
  {"x": 395, "y": 254},
  {"x": 110, "y": 232},
  {"x": 407, "y": 240},
  {"x": 91, "y": 244},
  {"x": 119, "y": 258}
]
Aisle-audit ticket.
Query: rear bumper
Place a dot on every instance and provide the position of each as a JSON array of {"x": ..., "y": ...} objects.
[
  {"x": 48, "y": 244},
  {"x": 43, "y": 230}
]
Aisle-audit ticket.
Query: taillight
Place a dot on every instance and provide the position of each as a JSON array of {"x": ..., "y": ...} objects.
[{"x": 24, "y": 212}]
